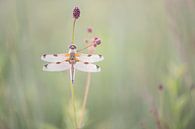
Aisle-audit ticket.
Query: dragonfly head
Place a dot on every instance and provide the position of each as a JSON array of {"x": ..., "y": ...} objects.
[{"x": 72, "y": 47}]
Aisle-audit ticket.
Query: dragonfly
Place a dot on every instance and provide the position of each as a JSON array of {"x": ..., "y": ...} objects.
[{"x": 73, "y": 60}]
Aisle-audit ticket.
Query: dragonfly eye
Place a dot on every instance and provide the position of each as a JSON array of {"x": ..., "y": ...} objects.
[{"x": 72, "y": 47}]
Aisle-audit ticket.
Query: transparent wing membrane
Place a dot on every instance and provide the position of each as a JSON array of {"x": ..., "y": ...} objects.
[
  {"x": 90, "y": 57},
  {"x": 87, "y": 67},
  {"x": 57, "y": 66},
  {"x": 54, "y": 57}
]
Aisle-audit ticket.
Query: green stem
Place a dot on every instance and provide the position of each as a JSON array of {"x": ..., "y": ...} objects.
[
  {"x": 85, "y": 100},
  {"x": 84, "y": 48},
  {"x": 73, "y": 28},
  {"x": 71, "y": 85},
  {"x": 73, "y": 103}
]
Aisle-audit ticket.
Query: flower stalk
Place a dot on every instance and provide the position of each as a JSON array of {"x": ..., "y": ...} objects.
[
  {"x": 76, "y": 15},
  {"x": 73, "y": 31},
  {"x": 73, "y": 103},
  {"x": 91, "y": 49},
  {"x": 83, "y": 109}
]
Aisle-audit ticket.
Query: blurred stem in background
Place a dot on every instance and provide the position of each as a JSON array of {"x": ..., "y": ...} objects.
[
  {"x": 83, "y": 109},
  {"x": 91, "y": 50}
]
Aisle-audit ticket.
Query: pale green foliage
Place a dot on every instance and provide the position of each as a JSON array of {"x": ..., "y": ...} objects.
[
  {"x": 47, "y": 126},
  {"x": 176, "y": 107},
  {"x": 69, "y": 116}
]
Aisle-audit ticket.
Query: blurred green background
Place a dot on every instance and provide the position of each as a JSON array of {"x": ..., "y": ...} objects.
[{"x": 147, "y": 77}]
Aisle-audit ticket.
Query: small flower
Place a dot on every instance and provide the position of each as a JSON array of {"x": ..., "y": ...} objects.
[
  {"x": 89, "y": 30},
  {"x": 76, "y": 13},
  {"x": 96, "y": 41}
]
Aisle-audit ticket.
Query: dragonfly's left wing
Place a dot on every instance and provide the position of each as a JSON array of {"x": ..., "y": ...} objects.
[
  {"x": 90, "y": 57},
  {"x": 55, "y": 57},
  {"x": 87, "y": 67},
  {"x": 57, "y": 66}
]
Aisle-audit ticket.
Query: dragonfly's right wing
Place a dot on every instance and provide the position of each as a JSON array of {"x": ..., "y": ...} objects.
[
  {"x": 87, "y": 67},
  {"x": 90, "y": 57},
  {"x": 55, "y": 57},
  {"x": 57, "y": 66}
]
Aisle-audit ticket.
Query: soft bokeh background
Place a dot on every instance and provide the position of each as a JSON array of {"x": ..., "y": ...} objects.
[{"x": 147, "y": 77}]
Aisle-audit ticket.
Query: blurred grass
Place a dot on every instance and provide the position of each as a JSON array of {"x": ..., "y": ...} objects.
[{"x": 143, "y": 42}]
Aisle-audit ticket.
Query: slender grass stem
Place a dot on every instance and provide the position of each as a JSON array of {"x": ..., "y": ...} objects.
[
  {"x": 73, "y": 28},
  {"x": 161, "y": 105},
  {"x": 85, "y": 48},
  {"x": 71, "y": 85},
  {"x": 87, "y": 86},
  {"x": 73, "y": 104}
]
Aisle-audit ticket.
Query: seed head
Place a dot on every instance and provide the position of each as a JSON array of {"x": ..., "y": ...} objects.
[{"x": 76, "y": 13}]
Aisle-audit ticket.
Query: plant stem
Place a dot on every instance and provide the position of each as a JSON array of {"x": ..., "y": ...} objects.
[
  {"x": 85, "y": 48},
  {"x": 73, "y": 28},
  {"x": 85, "y": 99},
  {"x": 71, "y": 85},
  {"x": 73, "y": 103}
]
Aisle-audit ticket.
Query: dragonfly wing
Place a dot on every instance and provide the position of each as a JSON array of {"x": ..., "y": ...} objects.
[
  {"x": 54, "y": 57},
  {"x": 90, "y": 57},
  {"x": 87, "y": 67},
  {"x": 57, "y": 66}
]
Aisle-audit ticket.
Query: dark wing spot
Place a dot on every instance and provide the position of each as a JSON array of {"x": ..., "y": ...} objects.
[
  {"x": 86, "y": 62},
  {"x": 44, "y": 55},
  {"x": 97, "y": 66},
  {"x": 46, "y": 65},
  {"x": 100, "y": 56},
  {"x": 89, "y": 55},
  {"x": 58, "y": 62},
  {"x": 55, "y": 55}
]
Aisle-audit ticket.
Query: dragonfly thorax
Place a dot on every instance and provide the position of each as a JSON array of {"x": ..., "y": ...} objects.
[
  {"x": 72, "y": 56},
  {"x": 72, "y": 51}
]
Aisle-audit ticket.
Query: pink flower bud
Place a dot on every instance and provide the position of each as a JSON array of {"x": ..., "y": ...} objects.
[
  {"x": 89, "y": 30},
  {"x": 97, "y": 41}
]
